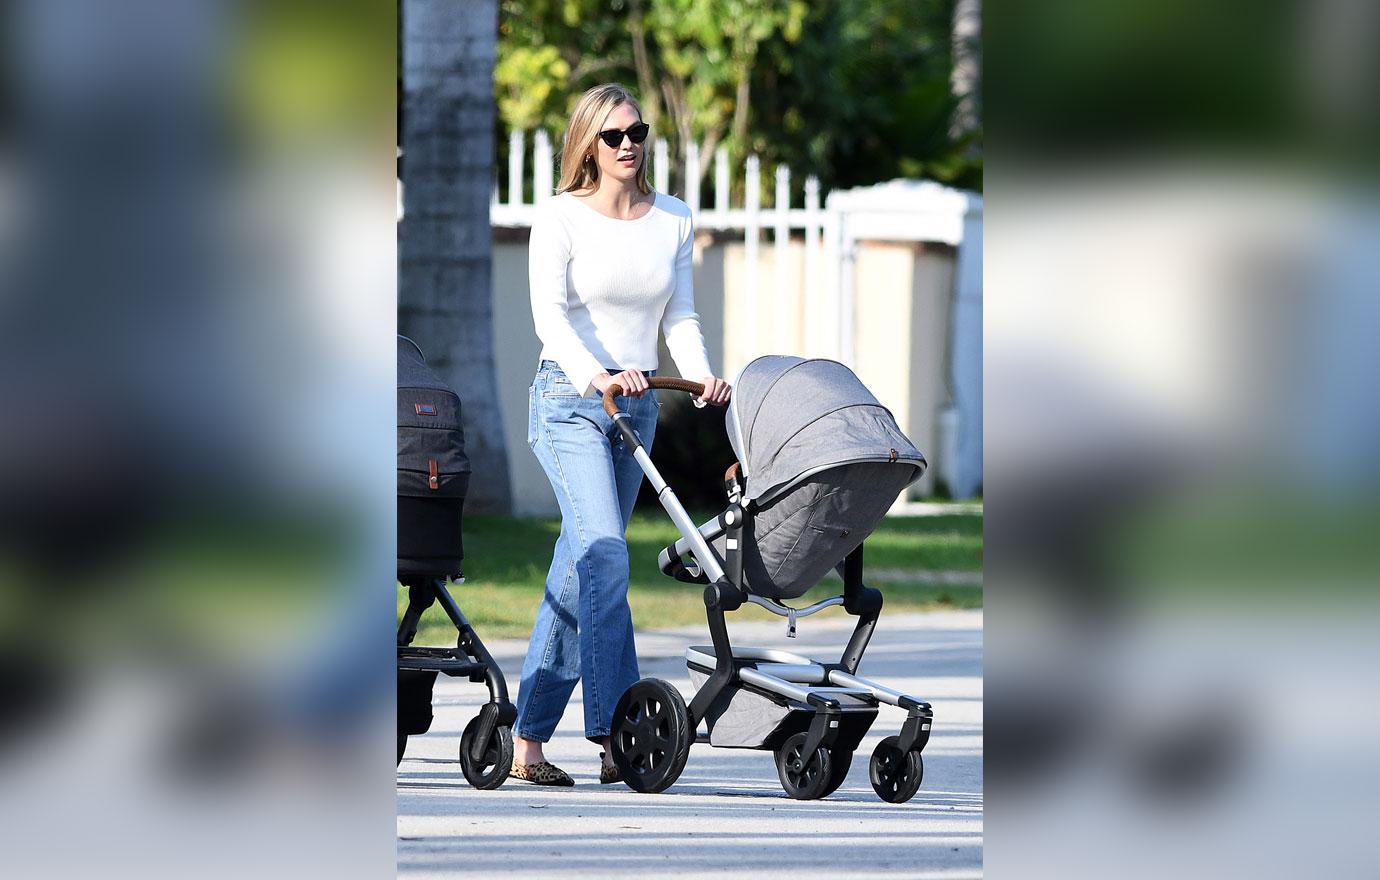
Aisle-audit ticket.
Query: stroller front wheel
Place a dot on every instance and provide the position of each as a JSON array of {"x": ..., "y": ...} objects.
[
  {"x": 895, "y": 774},
  {"x": 493, "y": 768},
  {"x": 804, "y": 777},
  {"x": 651, "y": 735}
]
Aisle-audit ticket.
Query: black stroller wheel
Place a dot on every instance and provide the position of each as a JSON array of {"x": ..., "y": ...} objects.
[
  {"x": 804, "y": 777},
  {"x": 493, "y": 768},
  {"x": 651, "y": 735},
  {"x": 839, "y": 762},
  {"x": 402, "y": 746},
  {"x": 896, "y": 775}
]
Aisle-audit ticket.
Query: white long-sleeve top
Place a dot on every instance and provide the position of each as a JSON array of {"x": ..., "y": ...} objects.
[{"x": 601, "y": 286}]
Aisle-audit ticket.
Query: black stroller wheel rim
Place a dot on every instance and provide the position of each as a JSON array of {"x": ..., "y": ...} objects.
[
  {"x": 650, "y": 738},
  {"x": 895, "y": 775},
  {"x": 646, "y": 738},
  {"x": 643, "y": 734},
  {"x": 804, "y": 777},
  {"x": 838, "y": 771},
  {"x": 496, "y": 761}
]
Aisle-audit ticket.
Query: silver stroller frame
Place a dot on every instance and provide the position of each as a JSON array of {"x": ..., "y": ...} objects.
[{"x": 825, "y": 707}]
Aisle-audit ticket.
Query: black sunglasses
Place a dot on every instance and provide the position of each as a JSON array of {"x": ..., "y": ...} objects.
[{"x": 637, "y": 134}]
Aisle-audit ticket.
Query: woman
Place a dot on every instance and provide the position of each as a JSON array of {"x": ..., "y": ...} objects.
[{"x": 609, "y": 261}]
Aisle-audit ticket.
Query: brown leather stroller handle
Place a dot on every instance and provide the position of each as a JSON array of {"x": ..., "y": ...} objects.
[
  {"x": 695, "y": 388},
  {"x": 670, "y": 384}
]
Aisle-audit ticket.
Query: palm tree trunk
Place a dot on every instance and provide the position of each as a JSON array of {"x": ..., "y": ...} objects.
[
  {"x": 444, "y": 261},
  {"x": 966, "y": 78}
]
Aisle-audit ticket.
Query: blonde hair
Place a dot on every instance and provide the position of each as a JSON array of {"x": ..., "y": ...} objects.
[{"x": 579, "y": 168}]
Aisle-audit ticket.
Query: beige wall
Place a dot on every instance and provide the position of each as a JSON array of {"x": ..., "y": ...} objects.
[
  {"x": 901, "y": 316},
  {"x": 517, "y": 350},
  {"x": 902, "y": 299},
  {"x": 709, "y": 302},
  {"x": 758, "y": 324}
]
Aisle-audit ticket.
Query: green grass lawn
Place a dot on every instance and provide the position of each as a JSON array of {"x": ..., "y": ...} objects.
[{"x": 506, "y": 561}]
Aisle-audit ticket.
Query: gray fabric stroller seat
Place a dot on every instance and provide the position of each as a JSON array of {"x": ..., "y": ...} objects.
[{"x": 821, "y": 462}]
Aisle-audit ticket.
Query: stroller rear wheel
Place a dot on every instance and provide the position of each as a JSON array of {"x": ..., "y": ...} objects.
[
  {"x": 839, "y": 762},
  {"x": 896, "y": 775},
  {"x": 805, "y": 777},
  {"x": 492, "y": 769},
  {"x": 651, "y": 735}
]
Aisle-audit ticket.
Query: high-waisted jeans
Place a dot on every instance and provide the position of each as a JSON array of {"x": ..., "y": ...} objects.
[{"x": 584, "y": 627}]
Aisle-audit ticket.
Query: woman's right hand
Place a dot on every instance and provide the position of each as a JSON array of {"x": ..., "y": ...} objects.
[{"x": 633, "y": 382}]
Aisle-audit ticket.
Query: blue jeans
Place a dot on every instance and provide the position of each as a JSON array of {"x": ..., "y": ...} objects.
[{"x": 584, "y": 627}]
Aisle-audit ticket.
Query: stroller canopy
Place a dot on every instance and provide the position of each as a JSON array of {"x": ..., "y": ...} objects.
[
  {"x": 431, "y": 433},
  {"x": 413, "y": 370},
  {"x": 433, "y": 469},
  {"x": 792, "y": 418},
  {"x": 822, "y": 460}
]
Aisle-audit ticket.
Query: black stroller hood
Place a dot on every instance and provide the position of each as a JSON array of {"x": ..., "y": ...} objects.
[
  {"x": 433, "y": 469},
  {"x": 414, "y": 372},
  {"x": 429, "y": 425},
  {"x": 792, "y": 418}
]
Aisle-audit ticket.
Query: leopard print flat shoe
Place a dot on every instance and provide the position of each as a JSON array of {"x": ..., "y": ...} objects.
[
  {"x": 542, "y": 773},
  {"x": 607, "y": 772}
]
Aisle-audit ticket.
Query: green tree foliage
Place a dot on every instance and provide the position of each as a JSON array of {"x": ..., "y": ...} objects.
[
  {"x": 551, "y": 50},
  {"x": 864, "y": 96},
  {"x": 853, "y": 91},
  {"x": 705, "y": 55},
  {"x": 543, "y": 70}
]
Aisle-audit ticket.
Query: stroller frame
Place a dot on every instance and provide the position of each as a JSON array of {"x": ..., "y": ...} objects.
[
  {"x": 433, "y": 479},
  {"x": 830, "y": 708},
  {"x": 486, "y": 745}
]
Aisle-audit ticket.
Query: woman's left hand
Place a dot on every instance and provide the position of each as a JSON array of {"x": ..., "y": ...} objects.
[{"x": 716, "y": 391}]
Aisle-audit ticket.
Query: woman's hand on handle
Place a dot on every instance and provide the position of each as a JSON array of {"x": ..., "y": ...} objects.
[
  {"x": 716, "y": 391},
  {"x": 633, "y": 382}
]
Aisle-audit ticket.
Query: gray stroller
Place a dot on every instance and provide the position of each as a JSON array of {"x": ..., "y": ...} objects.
[{"x": 820, "y": 461}]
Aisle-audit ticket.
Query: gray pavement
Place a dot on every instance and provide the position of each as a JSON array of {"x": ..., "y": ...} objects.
[{"x": 727, "y": 814}]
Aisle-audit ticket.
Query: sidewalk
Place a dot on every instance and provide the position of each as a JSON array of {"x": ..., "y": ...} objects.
[{"x": 727, "y": 815}]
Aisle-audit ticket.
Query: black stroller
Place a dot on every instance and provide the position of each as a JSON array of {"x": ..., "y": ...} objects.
[
  {"x": 433, "y": 477},
  {"x": 820, "y": 461}
]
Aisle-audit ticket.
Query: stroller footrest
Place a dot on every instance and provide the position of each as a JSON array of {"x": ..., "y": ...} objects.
[
  {"x": 801, "y": 693},
  {"x": 703, "y": 655},
  {"x": 454, "y": 668},
  {"x": 881, "y": 692},
  {"x": 448, "y": 661},
  {"x": 801, "y": 673},
  {"x": 416, "y": 651},
  {"x": 848, "y": 699},
  {"x": 841, "y": 691}
]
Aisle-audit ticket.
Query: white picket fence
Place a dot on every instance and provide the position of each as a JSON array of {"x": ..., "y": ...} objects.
[{"x": 935, "y": 213}]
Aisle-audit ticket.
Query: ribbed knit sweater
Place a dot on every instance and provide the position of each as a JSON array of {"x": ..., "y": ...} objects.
[{"x": 601, "y": 286}]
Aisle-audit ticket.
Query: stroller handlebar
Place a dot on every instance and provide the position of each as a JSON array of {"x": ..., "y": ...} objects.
[{"x": 614, "y": 390}]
